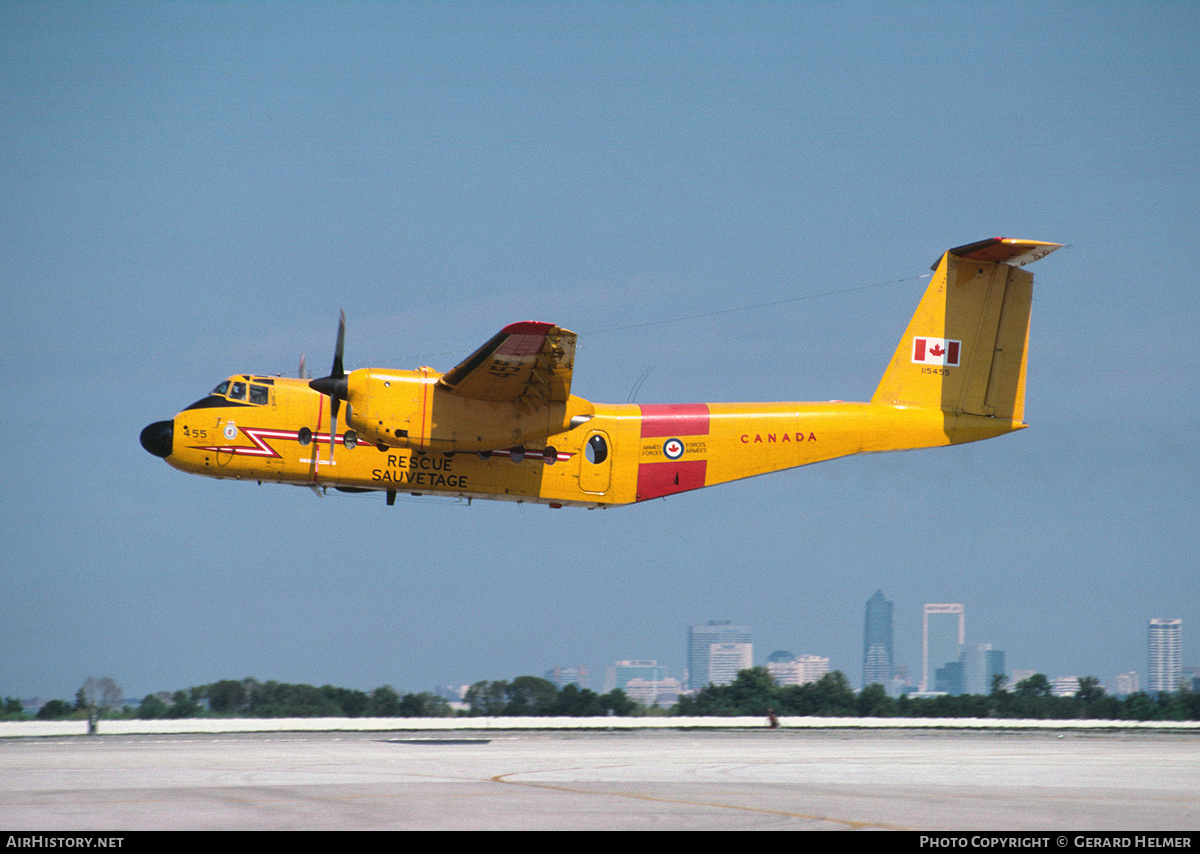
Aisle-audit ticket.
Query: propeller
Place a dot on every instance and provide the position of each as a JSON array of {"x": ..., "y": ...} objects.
[{"x": 334, "y": 385}]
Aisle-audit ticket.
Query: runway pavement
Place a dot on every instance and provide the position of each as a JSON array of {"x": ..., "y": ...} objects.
[{"x": 651, "y": 780}]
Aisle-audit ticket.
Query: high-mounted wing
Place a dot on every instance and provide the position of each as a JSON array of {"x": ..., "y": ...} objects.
[{"x": 529, "y": 361}]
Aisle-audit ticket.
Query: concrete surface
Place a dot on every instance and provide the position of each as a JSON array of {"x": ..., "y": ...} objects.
[{"x": 658, "y": 780}]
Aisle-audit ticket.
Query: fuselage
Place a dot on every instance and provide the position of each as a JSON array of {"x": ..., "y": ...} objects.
[{"x": 276, "y": 429}]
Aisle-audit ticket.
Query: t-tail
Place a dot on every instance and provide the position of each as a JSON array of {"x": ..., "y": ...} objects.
[{"x": 965, "y": 350}]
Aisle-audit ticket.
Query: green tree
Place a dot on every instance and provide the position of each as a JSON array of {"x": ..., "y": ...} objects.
[
  {"x": 350, "y": 703},
  {"x": 424, "y": 705},
  {"x": 487, "y": 698},
  {"x": 576, "y": 702},
  {"x": 1036, "y": 685},
  {"x": 55, "y": 710},
  {"x": 1089, "y": 694},
  {"x": 183, "y": 706},
  {"x": 531, "y": 695},
  {"x": 384, "y": 703},
  {"x": 227, "y": 697},
  {"x": 874, "y": 702},
  {"x": 152, "y": 708},
  {"x": 619, "y": 703},
  {"x": 752, "y": 692},
  {"x": 833, "y": 694}
]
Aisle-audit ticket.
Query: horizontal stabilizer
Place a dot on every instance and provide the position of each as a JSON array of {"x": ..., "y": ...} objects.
[{"x": 1003, "y": 250}]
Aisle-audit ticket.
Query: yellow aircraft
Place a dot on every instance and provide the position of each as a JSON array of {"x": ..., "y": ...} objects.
[{"x": 504, "y": 424}]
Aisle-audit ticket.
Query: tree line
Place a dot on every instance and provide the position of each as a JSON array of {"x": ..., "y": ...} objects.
[
  {"x": 753, "y": 693},
  {"x": 245, "y": 698}
]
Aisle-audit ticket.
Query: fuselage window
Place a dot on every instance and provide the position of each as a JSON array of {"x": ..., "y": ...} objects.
[
  {"x": 237, "y": 391},
  {"x": 596, "y": 450},
  {"x": 259, "y": 395},
  {"x": 222, "y": 388}
]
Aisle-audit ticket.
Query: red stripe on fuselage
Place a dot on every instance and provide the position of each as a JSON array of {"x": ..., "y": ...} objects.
[
  {"x": 658, "y": 479},
  {"x": 664, "y": 420}
]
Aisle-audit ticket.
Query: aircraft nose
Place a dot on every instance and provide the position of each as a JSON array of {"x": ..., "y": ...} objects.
[{"x": 156, "y": 438}]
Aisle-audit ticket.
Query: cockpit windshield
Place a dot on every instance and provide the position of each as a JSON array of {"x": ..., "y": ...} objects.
[{"x": 240, "y": 391}]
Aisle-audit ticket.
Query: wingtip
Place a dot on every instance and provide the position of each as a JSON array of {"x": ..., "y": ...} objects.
[{"x": 528, "y": 327}]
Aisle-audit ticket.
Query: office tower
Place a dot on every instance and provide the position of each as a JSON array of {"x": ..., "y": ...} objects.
[
  {"x": 1166, "y": 655},
  {"x": 982, "y": 663},
  {"x": 645, "y": 681},
  {"x": 950, "y": 678},
  {"x": 623, "y": 671},
  {"x": 661, "y": 692},
  {"x": 944, "y": 630},
  {"x": 726, "y": 660},
  {"x": 1191, "y": 679},
  {"x": 1127, "y": 683},
  {"x": 563, "y": 676},
  {"x": 993, "y": 664},
  {"x": 1064, "y": 686},
  {"x": 877, "y": 641},
  {"x": 731, "y": 644},
  {"x": 788, "y": 669}
]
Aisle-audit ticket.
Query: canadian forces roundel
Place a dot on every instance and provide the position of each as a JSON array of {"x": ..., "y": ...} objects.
[{"x": 673, "y": 449}]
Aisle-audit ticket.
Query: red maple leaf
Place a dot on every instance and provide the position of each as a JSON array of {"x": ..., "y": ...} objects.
[{"x": 936, "y": 350}]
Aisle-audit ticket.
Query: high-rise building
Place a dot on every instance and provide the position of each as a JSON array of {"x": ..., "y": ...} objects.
[
  {"x": 660, "y": 692},
  {"x": 733, "y": 648},
  {"x": 623, "y": 671},
  {"x": 645, "y": 681},
  {"x": 1166, "y": 655},
  {"x": 877, "y": 641},
  {"x": 726, "y": 660},
  {"x": 993, "y": 663},
  {"x": 982, "y": 664},
  {"x": 797, "y": 669},
  {"x": 943, "y": 633},
  {"x": 1064, "y": 686},
  {"x": 1126, "y": 684},
  {"x": 563, "y": 676}
]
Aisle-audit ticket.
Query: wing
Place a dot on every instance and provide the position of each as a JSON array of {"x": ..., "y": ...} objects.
[{"x": 530, "y": 361}]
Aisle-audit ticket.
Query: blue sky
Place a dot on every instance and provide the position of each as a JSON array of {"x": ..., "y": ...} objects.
[{"x": 190, "y": 190}]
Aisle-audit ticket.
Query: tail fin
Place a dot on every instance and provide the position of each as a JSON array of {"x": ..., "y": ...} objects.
[{"x": 966, "y": 347}]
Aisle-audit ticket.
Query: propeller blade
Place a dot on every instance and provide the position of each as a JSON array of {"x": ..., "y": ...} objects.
[
  {"x": 333, "y": 386},
  {"x": 333, "y": 428},
  {"x": 337, "y": 353}
]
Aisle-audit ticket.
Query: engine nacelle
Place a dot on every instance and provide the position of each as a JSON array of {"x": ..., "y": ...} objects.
[{"x": 408, "y": 409}]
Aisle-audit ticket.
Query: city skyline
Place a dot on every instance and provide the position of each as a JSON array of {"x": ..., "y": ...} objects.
[{"x": 658, "y": 682}]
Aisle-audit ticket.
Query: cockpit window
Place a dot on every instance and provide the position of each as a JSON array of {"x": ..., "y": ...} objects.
[
  {"x": 259, "y": 395},
  {"x": 237, "y": 391},
  {"x": 222, "y": 388}
]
